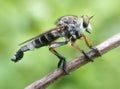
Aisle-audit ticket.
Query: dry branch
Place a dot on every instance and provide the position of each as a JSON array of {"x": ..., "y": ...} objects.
[{"x": 76, "y": 63}]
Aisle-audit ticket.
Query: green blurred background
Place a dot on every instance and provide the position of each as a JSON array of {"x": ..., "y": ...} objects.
[{"x": 23, "y": 19}]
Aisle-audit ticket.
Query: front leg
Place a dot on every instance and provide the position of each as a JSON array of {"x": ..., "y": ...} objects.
[
  {"x": 80, "y": 50},
  {"x": 89, "y": 45}
]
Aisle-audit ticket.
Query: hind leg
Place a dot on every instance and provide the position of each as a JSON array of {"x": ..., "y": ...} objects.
[{"x": 61, "y": 58}]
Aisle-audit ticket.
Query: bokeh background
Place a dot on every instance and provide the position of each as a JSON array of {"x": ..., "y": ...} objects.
[{"x": 23, "y": 19}]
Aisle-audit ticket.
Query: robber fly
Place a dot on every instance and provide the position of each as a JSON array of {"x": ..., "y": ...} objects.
[{"x": 69, "y": 27}]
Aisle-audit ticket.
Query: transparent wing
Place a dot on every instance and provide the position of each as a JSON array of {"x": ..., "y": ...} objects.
[{"x": 29, "y": 40}]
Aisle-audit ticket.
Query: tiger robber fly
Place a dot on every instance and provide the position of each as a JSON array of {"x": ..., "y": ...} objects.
[{"x": 69, "y": 27}]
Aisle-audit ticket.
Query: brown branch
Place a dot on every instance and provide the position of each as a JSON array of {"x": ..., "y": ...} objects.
[{"x": 76, "y": 63}]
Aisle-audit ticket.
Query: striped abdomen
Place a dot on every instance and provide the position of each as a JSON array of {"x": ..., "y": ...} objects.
[
  {"x": 44, "y": 39},
  {"x": 41, "y": 40},
  {"x": 38, "y": 42}
]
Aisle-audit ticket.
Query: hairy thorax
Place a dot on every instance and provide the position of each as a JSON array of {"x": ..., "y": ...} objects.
[{"x": 72, "y": 24}]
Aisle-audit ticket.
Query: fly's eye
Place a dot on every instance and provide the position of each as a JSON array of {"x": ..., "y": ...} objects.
[
  {"x": 85, "y": 21},
  {"x": 85, "y": 24}
]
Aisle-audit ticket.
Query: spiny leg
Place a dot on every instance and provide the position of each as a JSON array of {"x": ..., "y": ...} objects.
[
  {"x": 89, "y": 45},
  {"x": 61, "y": 58},
  {"x": 54, "y": 45},
  {"x": 80, "y": 50},
  {"x": 58, "y": 55}
]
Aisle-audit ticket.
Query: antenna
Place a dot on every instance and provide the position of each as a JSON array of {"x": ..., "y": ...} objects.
[{"x": 91, "y": 17}]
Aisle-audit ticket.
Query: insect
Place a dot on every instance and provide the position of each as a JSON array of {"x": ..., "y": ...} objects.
[{"x": 69, "y": 27}]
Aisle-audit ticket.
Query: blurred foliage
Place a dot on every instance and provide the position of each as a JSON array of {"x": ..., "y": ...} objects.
[{"x": 23, "y": 19}]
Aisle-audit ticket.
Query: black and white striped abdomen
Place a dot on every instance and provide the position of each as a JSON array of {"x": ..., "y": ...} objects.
[{"x": 40, "y": 41}]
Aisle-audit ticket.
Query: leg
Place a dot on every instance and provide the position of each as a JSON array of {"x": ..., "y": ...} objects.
[
  {"x": 80, "y": 50},
  {"x": 86, "y": 40},
  {"x": 62, "y": 59},
  {"x": 90, "y": 46}
]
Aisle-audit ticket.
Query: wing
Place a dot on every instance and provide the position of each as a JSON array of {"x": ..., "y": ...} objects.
[{"x": 29, "y": 40}]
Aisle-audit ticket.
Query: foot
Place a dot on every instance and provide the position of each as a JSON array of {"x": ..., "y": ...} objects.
[
  {"x": 62, "y": 62},
  {"x": 97, "y": 51},
  {"x": 65, "y": 71},
  {"x": 64, "y": 67},
  {"x": 88, "y": 58}
]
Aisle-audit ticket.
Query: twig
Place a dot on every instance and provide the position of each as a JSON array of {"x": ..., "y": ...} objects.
[{"x": 76, "y": 63}]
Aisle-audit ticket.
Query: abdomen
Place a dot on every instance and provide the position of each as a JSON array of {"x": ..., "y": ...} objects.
[{"x": 44, "y": 40}]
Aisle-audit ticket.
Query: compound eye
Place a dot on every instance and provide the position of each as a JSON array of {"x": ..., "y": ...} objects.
[
  {"x": 85, "y": 21},
  {"x": 85, "y": 24}
]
